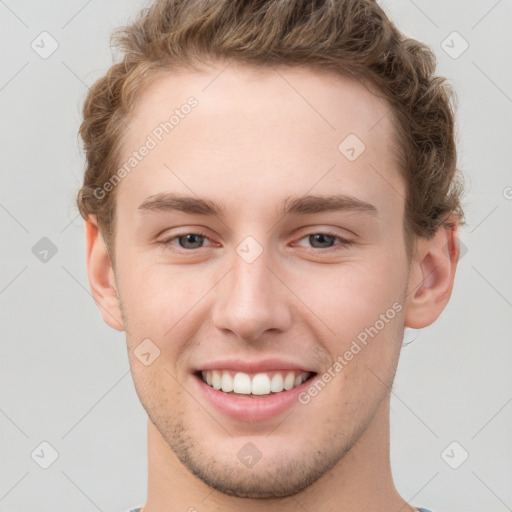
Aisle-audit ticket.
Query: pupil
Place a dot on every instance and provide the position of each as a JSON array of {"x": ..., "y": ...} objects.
[
  {"x": 322, "y": 238},
  {"x": 191, "y": 241}
]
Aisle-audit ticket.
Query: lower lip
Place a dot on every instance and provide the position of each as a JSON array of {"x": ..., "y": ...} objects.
[{"x": 252, "y": 409}]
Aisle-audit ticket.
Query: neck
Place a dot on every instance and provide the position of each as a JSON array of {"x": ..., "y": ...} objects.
[{"x": 361, "y": 481}]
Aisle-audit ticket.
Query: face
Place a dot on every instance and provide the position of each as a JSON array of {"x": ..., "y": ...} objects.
[{"x": 252, "y": 252}]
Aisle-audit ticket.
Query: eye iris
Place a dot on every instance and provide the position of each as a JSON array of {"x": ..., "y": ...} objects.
[
  {"x": 191, "y": 241},
  {"x": 323, "y": 239}
]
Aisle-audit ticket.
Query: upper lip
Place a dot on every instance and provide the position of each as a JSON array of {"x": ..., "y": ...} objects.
[{"x": 246, "y": 366}]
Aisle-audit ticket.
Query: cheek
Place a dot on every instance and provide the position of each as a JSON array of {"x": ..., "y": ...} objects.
[
  {"x": 362, "y": 306},
  {"x": 350, "y": 296},
  {"x": 153, "y": 292},
  {"x": 161, "y": 303}
]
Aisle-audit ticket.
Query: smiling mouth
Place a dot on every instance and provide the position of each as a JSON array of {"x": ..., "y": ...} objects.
[{"x": 250, "y": 385}]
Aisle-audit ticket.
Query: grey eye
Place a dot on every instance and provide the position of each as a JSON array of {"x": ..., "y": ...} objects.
[
  {"x": 324, "y": 241},
  {"x": 191, "y": 241}
]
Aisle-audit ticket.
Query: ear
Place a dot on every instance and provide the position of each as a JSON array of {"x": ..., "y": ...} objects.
[
  {"x": 101, "y": 276},
  {"x": 431, "y": 276}
]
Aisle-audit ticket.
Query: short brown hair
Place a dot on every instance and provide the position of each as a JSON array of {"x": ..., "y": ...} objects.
[{"x": 352, "y": 37}]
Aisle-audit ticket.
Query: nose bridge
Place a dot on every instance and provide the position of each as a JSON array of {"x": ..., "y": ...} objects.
[
  {"x": 251, "y": 280},
  {"x": 249, "y": 303}
]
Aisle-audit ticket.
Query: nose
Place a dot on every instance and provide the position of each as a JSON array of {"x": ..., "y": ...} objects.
[{"x": 251, "y": 300}]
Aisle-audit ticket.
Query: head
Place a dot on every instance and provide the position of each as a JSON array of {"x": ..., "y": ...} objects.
[{"x": 297, "y": 201}]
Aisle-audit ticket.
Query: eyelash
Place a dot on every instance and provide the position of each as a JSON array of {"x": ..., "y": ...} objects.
[{"x": 343, "y": 242}]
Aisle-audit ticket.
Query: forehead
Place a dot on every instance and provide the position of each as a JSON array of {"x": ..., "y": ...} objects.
[
  {"x": 267, "y": 97},
  {"x": 273, "y": 132}
]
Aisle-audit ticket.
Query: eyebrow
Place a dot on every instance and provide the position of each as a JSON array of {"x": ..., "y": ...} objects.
[{"x": 291, "y": 206}]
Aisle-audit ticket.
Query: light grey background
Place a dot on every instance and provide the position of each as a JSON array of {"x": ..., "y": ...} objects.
[{"x": 64, "y": 374}]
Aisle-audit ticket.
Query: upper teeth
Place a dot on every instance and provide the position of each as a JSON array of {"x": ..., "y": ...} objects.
[{"x": 257, "y": 384}]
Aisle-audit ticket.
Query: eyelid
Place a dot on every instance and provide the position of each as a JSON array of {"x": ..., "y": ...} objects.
[
  {"x": 328, "y": 230},
  {"x": 315, "y": 229},
  {"x": 166, "y": 241},
  {"x": 342, "y": 240}
]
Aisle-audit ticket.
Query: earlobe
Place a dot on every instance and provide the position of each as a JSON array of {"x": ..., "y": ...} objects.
[
  {"x": 101, "y": 276},
  {"x": 431, "y": 276}
]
